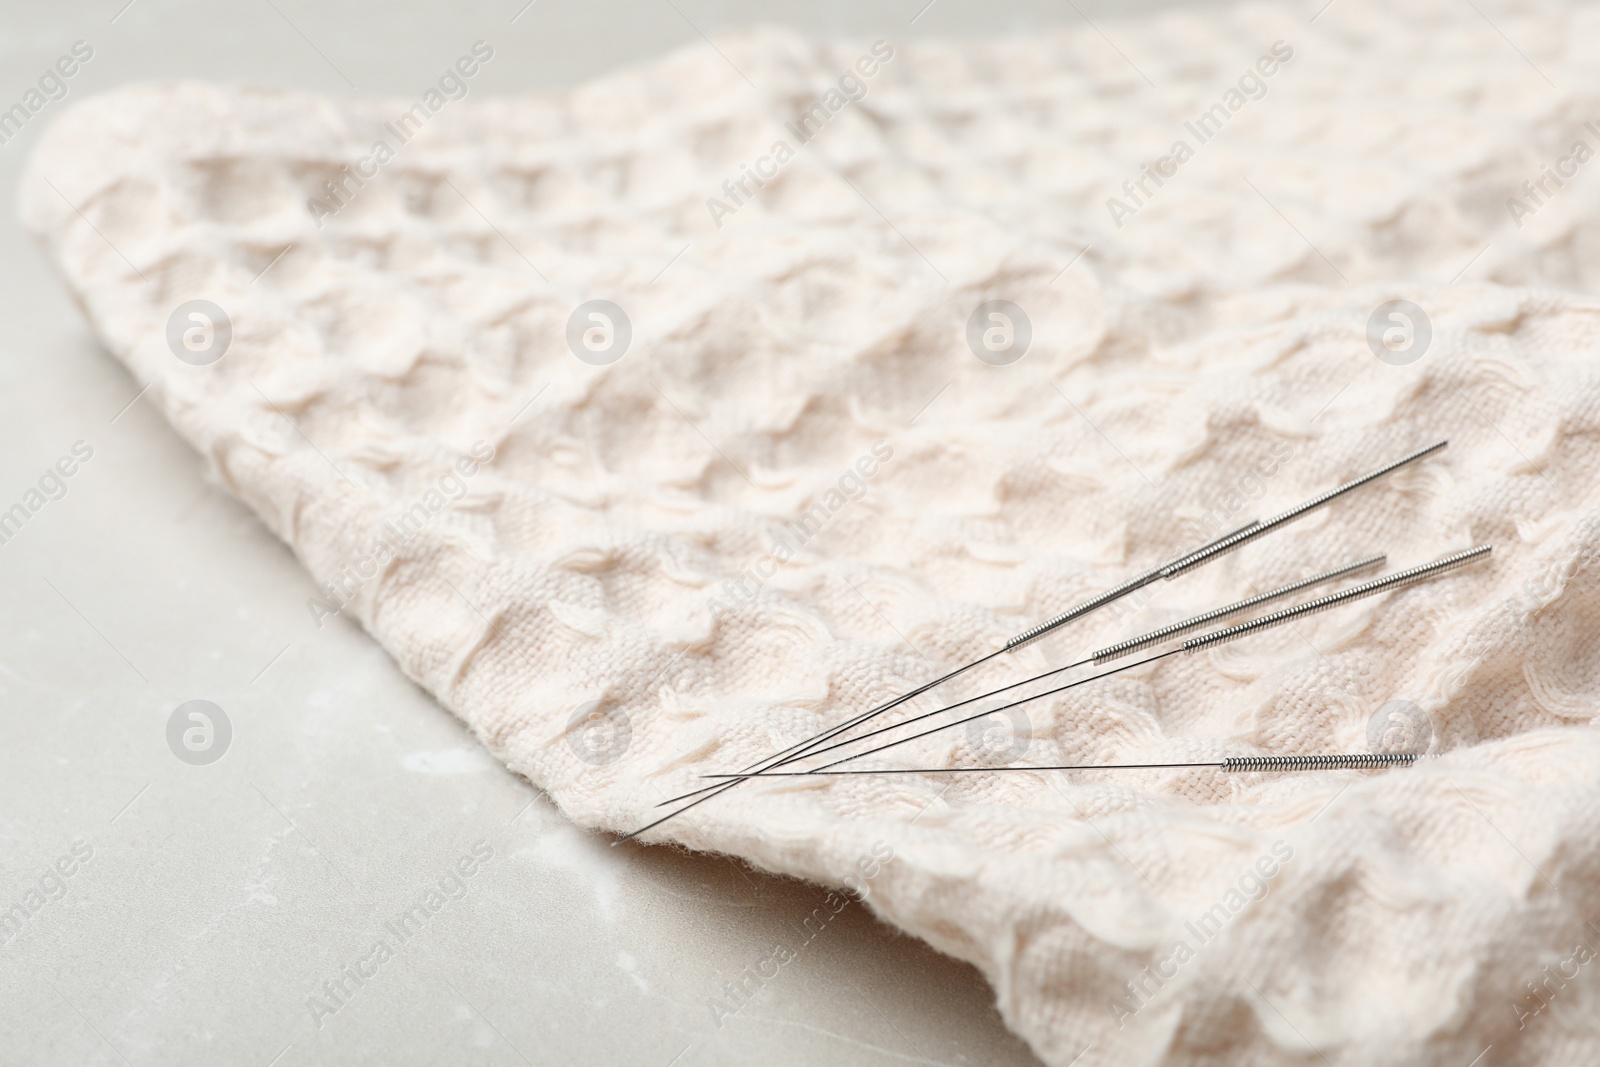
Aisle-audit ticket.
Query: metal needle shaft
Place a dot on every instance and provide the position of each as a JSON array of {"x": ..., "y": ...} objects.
[
  {"x": 1210, "y": 552},
  {"x": 1115, "y": 593},
  {"x": 1233, "y": 764},
  {"x": 1195, "y": 644}
]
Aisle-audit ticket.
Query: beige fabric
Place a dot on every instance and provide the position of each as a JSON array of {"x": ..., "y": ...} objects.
[{"x": 1205, "y": 359}]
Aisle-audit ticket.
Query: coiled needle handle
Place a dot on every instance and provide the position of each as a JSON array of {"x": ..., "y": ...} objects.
[
  {"x": 1116, "y": 592},
  {"x": 1344, "y": 596}
]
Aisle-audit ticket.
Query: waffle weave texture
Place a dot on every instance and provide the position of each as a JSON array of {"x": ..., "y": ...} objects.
[{"x": 800, "y": 493}]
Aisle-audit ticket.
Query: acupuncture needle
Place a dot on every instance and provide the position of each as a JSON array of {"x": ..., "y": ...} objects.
[
  {"x": 1117, "y": 650},
  {"x": 1205, "y": 554},
  {"x": 1393, "y": 581},
  {"x": 1167, "y": 571},
  {"x": 1195, "y": 644},
  {"x": 1232, "y": 765}
]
